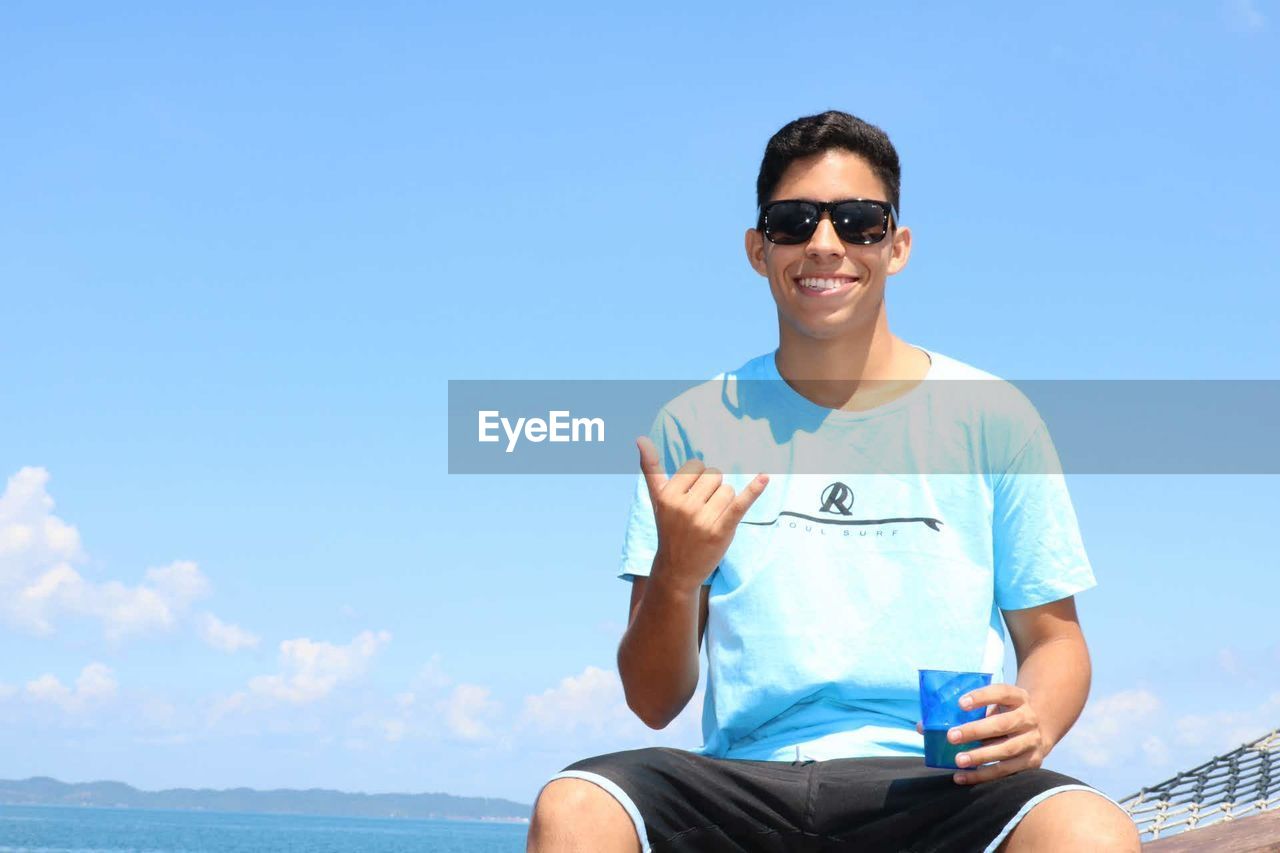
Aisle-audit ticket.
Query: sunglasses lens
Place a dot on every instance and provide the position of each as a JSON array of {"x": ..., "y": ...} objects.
[
  {"x": 791, "y": 222},
  {"x": 860, "y": 222}
]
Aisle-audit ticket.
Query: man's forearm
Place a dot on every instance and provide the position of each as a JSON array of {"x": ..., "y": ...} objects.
[
  {"x": 1056, "y": 675},
  {"x": 658, "y": 656}
]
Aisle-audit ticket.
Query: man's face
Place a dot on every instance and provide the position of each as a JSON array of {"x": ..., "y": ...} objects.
[{"x": 862, "y": 270}]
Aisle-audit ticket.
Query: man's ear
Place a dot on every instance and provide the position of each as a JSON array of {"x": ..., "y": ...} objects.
[
  {"x": 755, "y": 251},
  {"x": 900, "y": 251}
]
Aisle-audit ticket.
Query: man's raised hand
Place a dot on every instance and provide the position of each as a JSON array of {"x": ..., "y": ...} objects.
[{"x": 696, "y": 513}]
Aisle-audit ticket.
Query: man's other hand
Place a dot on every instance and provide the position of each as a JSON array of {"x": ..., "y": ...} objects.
[{"x": 1010, "y": 735}]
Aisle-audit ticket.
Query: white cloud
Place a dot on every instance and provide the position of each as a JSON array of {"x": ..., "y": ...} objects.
[
  {"x": 1112, "y": 727},
  {"x": 39, "y": 583},
  {"x": 156, "y": 604},
  {"x": 432, "y": 675},
  {"x": 1155, "y": 750},
  {"x": 465, "y": 711},
  {"x": 179, "y": 584},
  {"x": 586, "y": 706},
  {"x": 1245, "y": 14},
  {"x": 27, "y": 527},
  {"x": 435, "y": 707},
  {"x": 95, "y": 685},
  {"x": 224, "y": 636},
  {"x": 1220, "y": 731},
  {"x": 310, "y": 671},
  {"x": 394, "y": 730},
  {"x": 96, "y": 682},
  {"x": 593, "y": 704},
  {"x": 47, "y": 688},
  {"x": 1133, "y": 726}
]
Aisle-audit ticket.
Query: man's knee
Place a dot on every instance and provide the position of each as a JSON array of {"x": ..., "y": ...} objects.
[
  {"x": 1074, "y": 820},
  {"x": 574, "y": 814},
  {"x": 564, "y": 799}
]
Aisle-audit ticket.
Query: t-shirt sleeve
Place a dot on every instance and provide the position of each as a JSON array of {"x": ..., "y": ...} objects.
[
  {"x": 1039, "y": 555},
  {"x": 640, "y": 542}
]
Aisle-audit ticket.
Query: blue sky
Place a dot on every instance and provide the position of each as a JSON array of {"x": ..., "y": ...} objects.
[{"x": 242, "y": 251}]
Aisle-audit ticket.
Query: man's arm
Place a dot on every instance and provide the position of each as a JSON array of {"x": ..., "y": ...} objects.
[
  {"x": 658, "y": 655},
  {"x": 1031, "y": 716},
  {"x": 1053, "y": 664},
  {"x": 696, "y": 514}
]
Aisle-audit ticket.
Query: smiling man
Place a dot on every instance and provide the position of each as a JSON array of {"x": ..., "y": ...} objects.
[{"x": 821, "y": 592}]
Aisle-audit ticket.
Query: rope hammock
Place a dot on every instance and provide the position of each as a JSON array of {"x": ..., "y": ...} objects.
[{"x": 1243, "y": 782}]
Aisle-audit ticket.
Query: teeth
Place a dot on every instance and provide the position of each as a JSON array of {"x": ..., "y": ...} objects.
[{"x": 822, "y": 283}]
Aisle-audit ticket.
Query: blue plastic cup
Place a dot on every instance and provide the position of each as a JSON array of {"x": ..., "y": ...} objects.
[{"x": 940, "y": 711}]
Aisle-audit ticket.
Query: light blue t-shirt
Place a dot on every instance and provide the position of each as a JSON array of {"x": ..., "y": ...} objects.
[{"x": 838, "y": 587}]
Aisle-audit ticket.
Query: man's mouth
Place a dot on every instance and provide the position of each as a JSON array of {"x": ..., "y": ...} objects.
[{"x": 823, "y": 285}]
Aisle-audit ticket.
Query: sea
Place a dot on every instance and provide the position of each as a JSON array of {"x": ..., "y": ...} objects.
[{"x": 71, "y": 829}]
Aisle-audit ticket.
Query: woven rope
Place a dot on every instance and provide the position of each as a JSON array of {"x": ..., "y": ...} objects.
[{"x": 1228, "y": 787}]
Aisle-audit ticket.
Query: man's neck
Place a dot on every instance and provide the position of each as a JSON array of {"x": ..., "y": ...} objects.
[{"x": 859, "y": 371}]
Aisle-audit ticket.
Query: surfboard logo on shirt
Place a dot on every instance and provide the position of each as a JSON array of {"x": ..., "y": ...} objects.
[{"x": 837, "y": 499}]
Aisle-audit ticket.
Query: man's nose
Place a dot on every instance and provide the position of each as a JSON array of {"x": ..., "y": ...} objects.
[{"x": 825, "y": 242}]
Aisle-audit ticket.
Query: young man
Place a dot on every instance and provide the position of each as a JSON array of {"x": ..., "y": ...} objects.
[{"x": 822, "y": 592}]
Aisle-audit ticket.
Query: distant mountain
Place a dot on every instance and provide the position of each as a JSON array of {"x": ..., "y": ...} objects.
[{"x": 314, "y": 801}]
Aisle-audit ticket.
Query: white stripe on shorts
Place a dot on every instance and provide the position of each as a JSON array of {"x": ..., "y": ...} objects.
[
  {"x": 1035, "y": 801},
  {"x": 618, "y": 794}
]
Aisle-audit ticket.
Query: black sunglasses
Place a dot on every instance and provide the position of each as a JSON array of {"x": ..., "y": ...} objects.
[{"x": 861, "y": 221}]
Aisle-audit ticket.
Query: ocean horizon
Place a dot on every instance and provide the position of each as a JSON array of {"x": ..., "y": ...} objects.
[{"x": 103, "y": 829}]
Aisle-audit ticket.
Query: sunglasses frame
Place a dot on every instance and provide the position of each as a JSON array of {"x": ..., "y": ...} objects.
[{"x": 829, "y": 208}]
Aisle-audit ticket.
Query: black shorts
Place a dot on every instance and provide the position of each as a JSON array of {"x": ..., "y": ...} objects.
[{"x": 683, "y": 801}]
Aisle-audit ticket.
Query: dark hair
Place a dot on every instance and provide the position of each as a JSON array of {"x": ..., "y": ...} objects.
[{"x": 812, "y": 135}]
